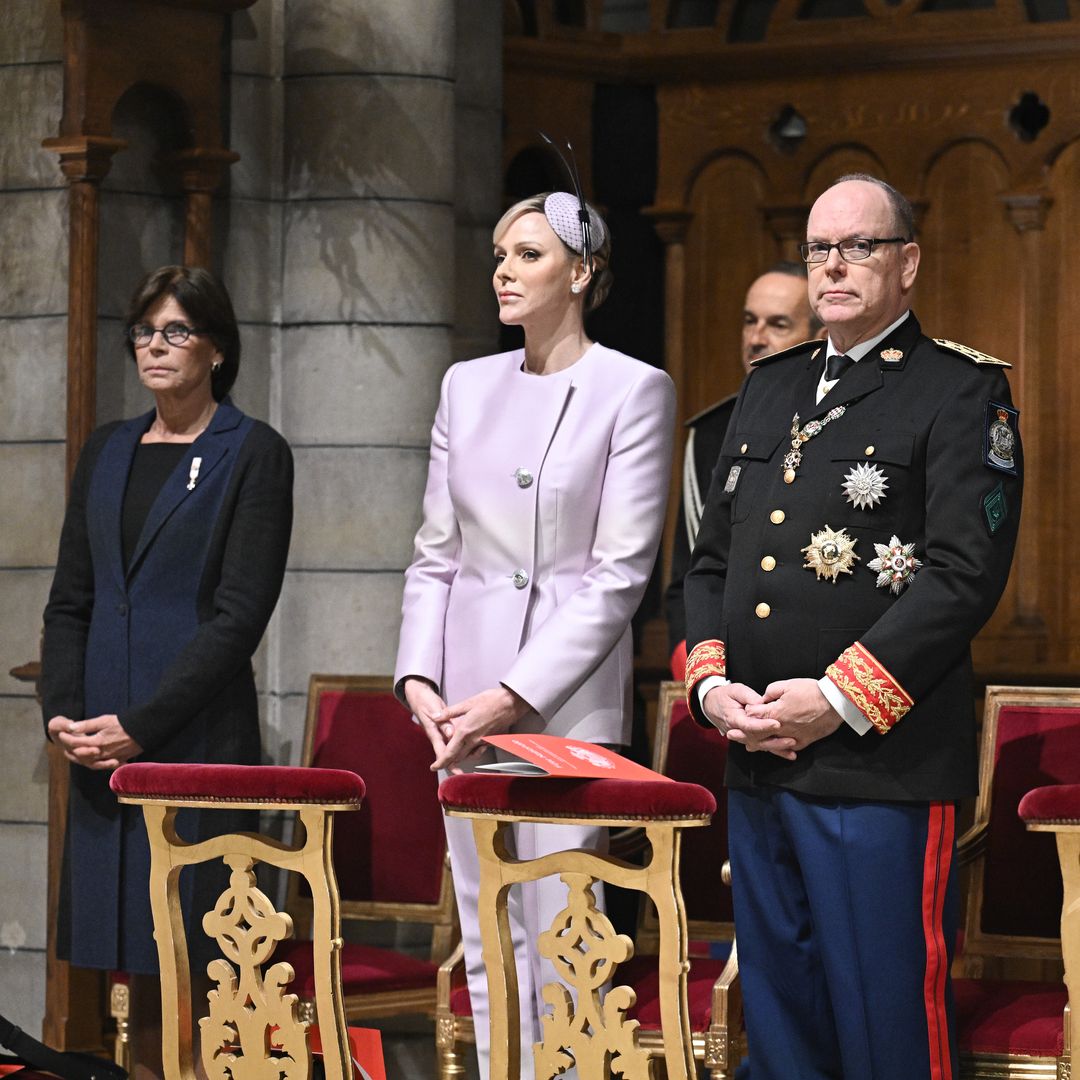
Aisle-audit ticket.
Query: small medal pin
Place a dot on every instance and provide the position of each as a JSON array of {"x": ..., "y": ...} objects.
[{"x": 193, "y": 473}]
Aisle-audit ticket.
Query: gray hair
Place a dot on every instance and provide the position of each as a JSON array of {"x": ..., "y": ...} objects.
[{"x": 903, "y": 215}]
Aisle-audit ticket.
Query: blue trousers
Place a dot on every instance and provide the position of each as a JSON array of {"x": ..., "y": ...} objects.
[{"x": 846, "y": 913}]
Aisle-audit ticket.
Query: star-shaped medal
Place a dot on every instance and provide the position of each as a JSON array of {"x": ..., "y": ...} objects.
[
  {"x": 895, "y": 565},
  {"x": 830, "y": 554},
  {"x": 865, "y": 486}
]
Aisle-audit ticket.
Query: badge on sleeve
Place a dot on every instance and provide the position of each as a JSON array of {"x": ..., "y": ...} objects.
[
  {"x": 999, "y": 444},
  {"x": 995, "y": 508}
]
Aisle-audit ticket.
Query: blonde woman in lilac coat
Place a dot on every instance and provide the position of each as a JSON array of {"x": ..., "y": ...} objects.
[{"x": 544, "y": 505}]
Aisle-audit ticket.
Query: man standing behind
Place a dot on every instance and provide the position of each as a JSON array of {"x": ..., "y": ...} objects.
[
  {"x": 858, "y": 535},
  {"x": 776, "y": 315}
]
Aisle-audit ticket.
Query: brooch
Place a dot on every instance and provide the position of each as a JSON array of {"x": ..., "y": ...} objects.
[
  {"x": 865, "y": 486},
  {"x": 830, "y": 554},
  {"x": 895, "y": 565},
  {"x": 193, "y": 473},
  {"x": 793, "y": 458}
]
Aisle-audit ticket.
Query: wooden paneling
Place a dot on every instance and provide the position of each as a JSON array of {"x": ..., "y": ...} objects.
[{"x": 926, "y": 100}]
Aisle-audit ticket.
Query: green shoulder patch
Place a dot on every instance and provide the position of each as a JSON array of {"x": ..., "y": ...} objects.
[
  {"x": 790, "y": 351},
  {"x": 969, "y": 353}
]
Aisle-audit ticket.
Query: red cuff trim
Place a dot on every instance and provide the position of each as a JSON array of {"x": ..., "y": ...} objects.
[
  {"x": 867, "y": 684},
  {"x": 678, "y": 661},
  {"x": 708, "y": 658}
]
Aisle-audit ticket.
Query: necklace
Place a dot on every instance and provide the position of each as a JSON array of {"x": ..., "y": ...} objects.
[{"x": 793, "y": 458}]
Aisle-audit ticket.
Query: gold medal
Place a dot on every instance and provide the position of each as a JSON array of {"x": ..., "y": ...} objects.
[{"x": 830, "y": 554}]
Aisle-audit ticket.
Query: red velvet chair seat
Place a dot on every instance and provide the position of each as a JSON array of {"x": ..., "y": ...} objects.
[
  {"x": 517, "y": 796},
  {"x": 364, "y": 969},
  {"x": 1009, "y": 1017},
  {"x": 642, "y": 974},
  {"x": 265, "y": 784},
  {"x": 1052, "y": 804}
]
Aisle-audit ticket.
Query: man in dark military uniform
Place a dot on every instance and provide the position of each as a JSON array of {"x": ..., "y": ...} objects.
[
  {"x": 776, "y": 315},
  {"x": 858, "y": 535}
]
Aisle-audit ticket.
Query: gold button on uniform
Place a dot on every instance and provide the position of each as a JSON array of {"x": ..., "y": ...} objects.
[
  {"x": 777, "y": 517},
  {"x": 869, "y": 449},
  {"x": 762, "y": 611},
  {"x": 768, "y": 563},
  {"x": 742, "y": 449}
]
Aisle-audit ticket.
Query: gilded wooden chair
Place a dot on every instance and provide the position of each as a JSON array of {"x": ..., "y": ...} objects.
[
  {"x": 687, "y": 752},
  {"x": 252, "y": 999},
  {"x": 595, "y": 1032},
  {"x": 390, "y": 857},
  {"x": 1056, "y": 809},
  {"x": 1007, "y": 983}
]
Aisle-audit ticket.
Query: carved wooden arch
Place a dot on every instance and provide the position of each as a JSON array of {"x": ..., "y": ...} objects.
[{"x": 111, "y": 46}]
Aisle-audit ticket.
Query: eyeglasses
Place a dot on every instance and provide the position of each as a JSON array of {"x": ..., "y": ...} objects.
[
  {"x": 854, "y": 249},
  {"x": 175, "y": 333}
]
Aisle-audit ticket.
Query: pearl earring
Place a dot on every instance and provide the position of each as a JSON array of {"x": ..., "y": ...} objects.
[
  {"x": 575, "y": 288},
  {"x": 215, "y": 367}
]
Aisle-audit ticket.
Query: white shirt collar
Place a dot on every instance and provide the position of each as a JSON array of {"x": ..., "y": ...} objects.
[{"x": 857, "y": 352}]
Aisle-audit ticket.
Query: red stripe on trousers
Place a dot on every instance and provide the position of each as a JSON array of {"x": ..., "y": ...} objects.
[{"x": 939, "y": 845}]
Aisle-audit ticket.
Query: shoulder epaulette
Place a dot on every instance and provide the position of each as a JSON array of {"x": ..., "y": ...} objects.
[
  {"x": 710, "y": 410},
  {"x": 791, "y": 351},
  {"x": 969, "y": 353}
]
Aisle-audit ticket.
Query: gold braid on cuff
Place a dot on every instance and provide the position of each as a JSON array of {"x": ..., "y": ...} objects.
[
  {"x": 867, "y": 684},
  {"x": 708, "y": 658}
]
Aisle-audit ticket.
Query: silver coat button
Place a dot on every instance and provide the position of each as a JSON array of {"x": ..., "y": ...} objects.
[
  {"x": 520, "y": 579},
  {"x": 523, "y": 477}
]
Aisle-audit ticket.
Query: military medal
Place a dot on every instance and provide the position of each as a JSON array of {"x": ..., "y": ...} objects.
[
  {"x": 865, "y": 486},
  {"x": 895, "y": 565},
  {"x": 732, "y": 479},
  {"x": 830, "y": 554},
  {"x": 793, "y": 458}
]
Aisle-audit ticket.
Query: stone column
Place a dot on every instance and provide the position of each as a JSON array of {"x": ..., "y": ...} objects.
[
  {"x": 367, "y": 310},
  {"x": 33, "y": 309}
]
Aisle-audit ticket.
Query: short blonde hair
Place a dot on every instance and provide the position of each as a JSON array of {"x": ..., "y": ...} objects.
[{"x": 602, "y": 278}]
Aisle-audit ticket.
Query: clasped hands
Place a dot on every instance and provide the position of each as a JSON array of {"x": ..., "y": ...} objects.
[
  {"x": 456, "y": 731},
  {"x": 788, "y": 717},
  {"x": 99, "y": 742}
]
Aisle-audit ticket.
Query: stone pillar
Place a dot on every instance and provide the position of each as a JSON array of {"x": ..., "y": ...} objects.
[{"x": 33, "y": 309}]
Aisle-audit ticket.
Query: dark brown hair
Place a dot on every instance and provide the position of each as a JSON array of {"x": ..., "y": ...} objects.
[{"x": 206, "y": 303}]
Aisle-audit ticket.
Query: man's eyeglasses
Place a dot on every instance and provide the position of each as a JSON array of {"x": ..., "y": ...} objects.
[
  {"x": 854, "y": 249},
  {"x": 175, "y": 333}
]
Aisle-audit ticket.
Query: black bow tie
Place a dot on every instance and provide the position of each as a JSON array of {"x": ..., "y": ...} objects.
[{"x": 836, "y": 365}]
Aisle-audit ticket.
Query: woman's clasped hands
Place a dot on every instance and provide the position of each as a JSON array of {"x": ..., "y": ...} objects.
[
  {"x": 456, "y": 732},
  {"x": 99, "y": 742}
]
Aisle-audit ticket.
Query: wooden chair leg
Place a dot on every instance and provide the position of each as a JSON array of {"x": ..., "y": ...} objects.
[
  {"x": 120, "y": 1010},
  {"x": 451, "y": 1062}
]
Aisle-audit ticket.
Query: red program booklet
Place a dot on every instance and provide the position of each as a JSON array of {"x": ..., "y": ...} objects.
[{"x": 548, "y": 755}]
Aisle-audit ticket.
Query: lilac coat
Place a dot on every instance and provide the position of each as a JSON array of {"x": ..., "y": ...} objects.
[{"x": 544, "y": 505}]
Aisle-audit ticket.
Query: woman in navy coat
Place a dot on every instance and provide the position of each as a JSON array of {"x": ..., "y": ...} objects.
[{"x": 170, "y": 563}]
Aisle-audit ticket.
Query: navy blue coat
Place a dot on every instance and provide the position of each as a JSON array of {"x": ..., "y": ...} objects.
[{"x": 166, "y": 646}]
